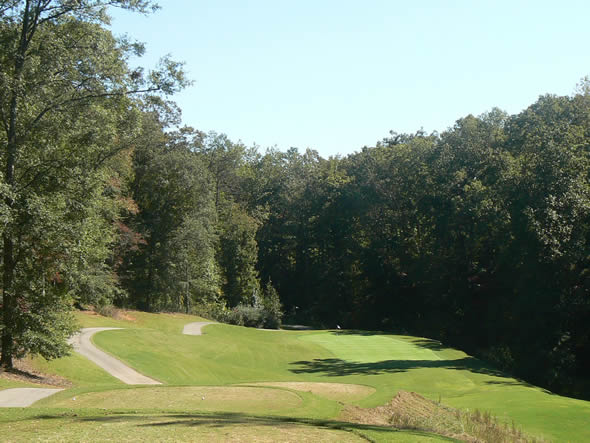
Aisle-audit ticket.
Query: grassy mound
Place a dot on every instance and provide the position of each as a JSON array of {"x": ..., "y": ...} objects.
[
  {"x": 409, "y": 410},
  {"x": 186, "y": 398},
  {"x": 345, "y": 393}
]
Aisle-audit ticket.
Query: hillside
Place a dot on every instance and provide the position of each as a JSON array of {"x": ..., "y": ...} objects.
[{"x": 239, "y": 383}]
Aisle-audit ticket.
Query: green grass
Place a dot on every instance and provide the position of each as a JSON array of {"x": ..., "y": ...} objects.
[
  {"x": 228, "y": 355},
  {"x": 94, "y": 425},
  {"x": 8, "y": 384},
  {"x": 203, "y": 398}
]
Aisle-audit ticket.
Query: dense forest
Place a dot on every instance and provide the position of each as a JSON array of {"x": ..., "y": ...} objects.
[{"x": 478, "y": 236}]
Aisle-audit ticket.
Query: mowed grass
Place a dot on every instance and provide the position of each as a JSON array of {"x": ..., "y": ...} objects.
[
  {"x": 92, "y": 425},
  {"x": 293, "y": 362},
  {"x": 203, "y": 398}
]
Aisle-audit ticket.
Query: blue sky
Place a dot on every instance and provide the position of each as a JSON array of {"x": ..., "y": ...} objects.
[{"x": 338, "y": 75}]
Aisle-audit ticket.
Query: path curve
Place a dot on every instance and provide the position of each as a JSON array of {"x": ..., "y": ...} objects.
[
  {"x": 195, "y": 327},
  {"x": 23, "y": 397},
  {"x": 116, "y": 368}
]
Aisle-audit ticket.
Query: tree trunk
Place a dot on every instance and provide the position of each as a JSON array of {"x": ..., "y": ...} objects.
[
  {"x": 9, "y": 305},
  {"x": 8, "y": 297}
]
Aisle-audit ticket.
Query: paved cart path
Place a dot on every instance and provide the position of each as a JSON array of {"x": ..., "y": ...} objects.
[
  {"x": 23, "y": 397},
  {"x": 195, "y": 328},
  {"x": 113, "y": 366}
]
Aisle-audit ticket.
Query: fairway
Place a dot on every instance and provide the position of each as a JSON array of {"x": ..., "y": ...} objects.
[
  {"x": 370, "y": 348},
  {"x": 234, "y": 382}
]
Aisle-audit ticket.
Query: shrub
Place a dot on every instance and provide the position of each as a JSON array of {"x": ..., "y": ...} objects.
[
  {"x": 214, "y": 310},
  {"x": 265, "y": 312},
  {"x": 271, "y": 307},
  {"x": 499, "y": 356},
  {"x": 243, "y": 315}
]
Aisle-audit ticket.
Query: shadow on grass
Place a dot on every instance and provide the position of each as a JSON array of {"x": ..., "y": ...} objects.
[
  {"x": 517, "y": 382},
  {"x": 427, "y": 343},
  {"x": 231, "y": 419},
  {"x": 335, "y": 367}
]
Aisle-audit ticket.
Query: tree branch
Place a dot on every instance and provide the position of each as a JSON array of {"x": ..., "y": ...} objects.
[{"x": 86, "y": 97}]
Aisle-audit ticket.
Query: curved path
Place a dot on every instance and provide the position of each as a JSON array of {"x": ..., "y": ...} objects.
[
  {"x": 23, "y": 397},
  {"x": 195, "y": 328},
  {"x": 116, "y": 368}
]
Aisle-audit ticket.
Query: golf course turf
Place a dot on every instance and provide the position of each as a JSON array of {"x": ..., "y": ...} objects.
[{"x": 245, "y": 384}]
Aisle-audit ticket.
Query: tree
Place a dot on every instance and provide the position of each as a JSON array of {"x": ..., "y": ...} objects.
[
  {"x": 175, "y": 267},
  {"x": 237, "y": 254},
  {"x": 65, "y": 111}
]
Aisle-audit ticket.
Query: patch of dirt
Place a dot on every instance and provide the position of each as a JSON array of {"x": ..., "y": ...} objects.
[
  {"x": 91, "y": 313},
  {"x": 23, "y": 371},
  {"x": 116, "y": 313},
  {"x": 120, "y": 314},
  {"x": 332, "y": 391}
]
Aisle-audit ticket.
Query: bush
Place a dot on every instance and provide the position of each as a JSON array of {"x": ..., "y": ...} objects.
[
  {"x": 243, "y": 315},
  {"x": 214, "y": 310},
  {"x": 265, "y": 313},
  {"x": 499, "y": 356}
]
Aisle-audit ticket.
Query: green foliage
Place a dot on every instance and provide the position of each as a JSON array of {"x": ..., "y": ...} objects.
[
  {"x": 244, "y": 315},
  {"x": 173, "y": 267},
  {"x": 264, "y": 313},
  {"x": 237, "y": 254},
  {"x": 271, "y": 305},
  {"x": 66, "y": 113}
]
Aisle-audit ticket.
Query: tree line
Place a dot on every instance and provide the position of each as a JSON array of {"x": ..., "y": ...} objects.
[{"x": 477, "y": 236}]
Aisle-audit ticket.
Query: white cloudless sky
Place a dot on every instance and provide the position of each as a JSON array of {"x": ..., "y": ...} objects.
[{"x": 339, "y": 75}]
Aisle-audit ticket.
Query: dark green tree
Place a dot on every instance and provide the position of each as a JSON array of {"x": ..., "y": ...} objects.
[{"x": 175, "y": 266}]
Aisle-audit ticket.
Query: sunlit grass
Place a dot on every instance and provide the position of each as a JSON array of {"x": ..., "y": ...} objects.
[{"x": 229, "y": 355}]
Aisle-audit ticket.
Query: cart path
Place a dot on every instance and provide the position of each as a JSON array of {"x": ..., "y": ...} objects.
[
  {"x": 195, "y": 327},
  {"x": 116, "y": 368},
  {"x": 23, "y": 397}
]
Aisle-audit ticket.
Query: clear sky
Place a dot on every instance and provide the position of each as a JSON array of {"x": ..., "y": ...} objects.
[{"x": 337, "y": 75}]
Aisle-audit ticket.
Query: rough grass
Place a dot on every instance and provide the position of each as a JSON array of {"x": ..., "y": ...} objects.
[
  {"x": 409, "y": 410},
  {"x": 228, "y": 355}
]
